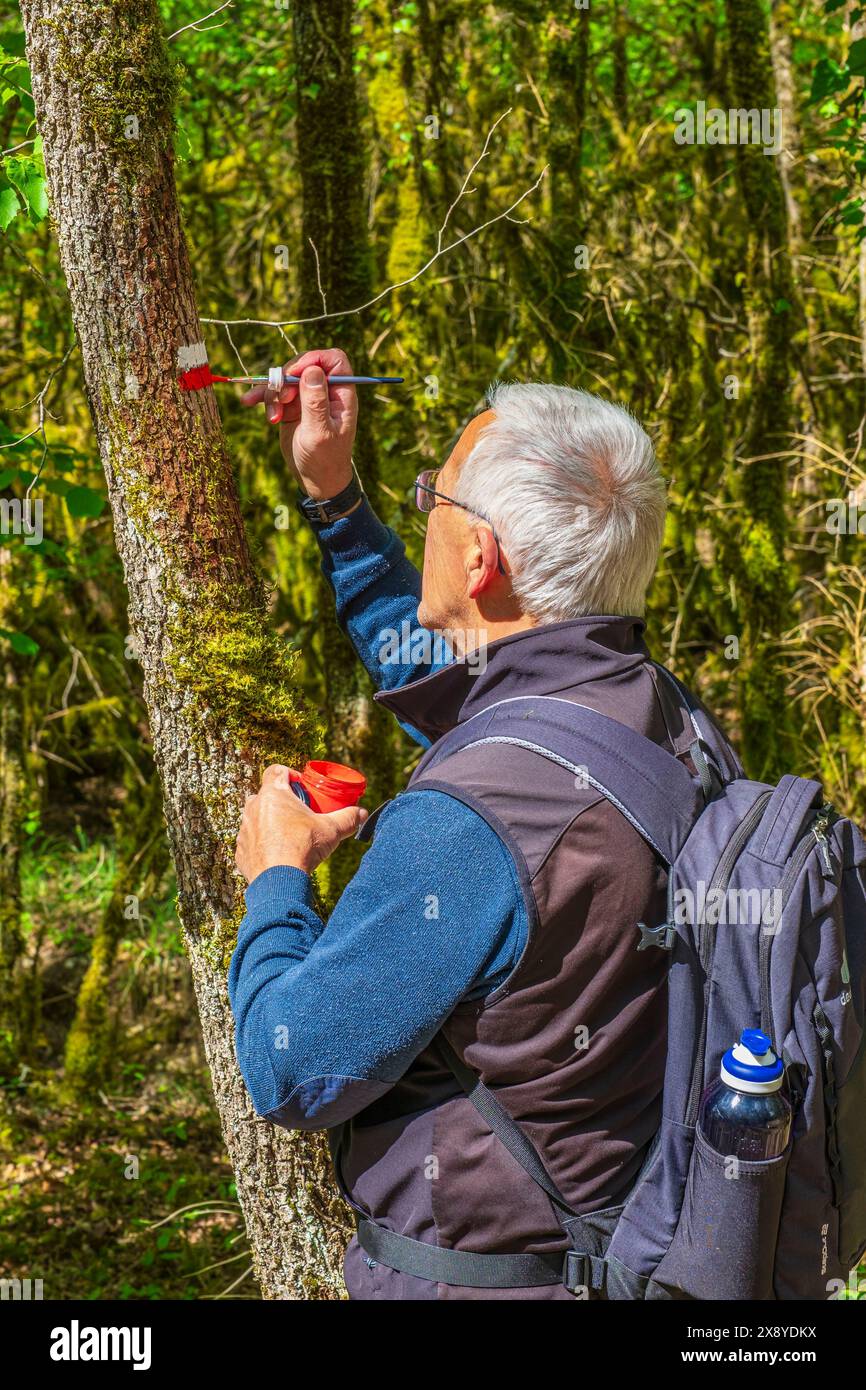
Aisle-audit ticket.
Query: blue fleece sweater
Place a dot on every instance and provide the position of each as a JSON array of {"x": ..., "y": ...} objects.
[{"x": 328, "y": 1016}]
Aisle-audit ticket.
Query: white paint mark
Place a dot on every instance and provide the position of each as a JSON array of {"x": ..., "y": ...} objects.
[{"x": 195, "y": 355}]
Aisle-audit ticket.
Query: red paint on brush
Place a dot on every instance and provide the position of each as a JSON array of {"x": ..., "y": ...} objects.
[{"x": 197, "y": 378}]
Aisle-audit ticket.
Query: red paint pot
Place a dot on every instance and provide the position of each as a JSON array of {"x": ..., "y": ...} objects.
[{"x": 328, "y": 786}]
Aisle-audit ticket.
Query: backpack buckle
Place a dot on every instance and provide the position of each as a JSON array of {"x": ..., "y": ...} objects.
[
  {"x": 583, "y": 1273},
  {"x": 577, "y": 1271},
  {"x": 662, "y": 936}
]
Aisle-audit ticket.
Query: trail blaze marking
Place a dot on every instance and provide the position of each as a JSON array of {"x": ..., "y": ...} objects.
[{"x": 196, "y": 378}]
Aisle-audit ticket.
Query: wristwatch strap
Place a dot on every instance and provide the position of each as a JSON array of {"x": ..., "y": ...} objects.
[{"x": 326, "y": 509}]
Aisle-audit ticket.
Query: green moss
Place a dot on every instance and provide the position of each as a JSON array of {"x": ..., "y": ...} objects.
[
  {"x": 405, "y": 255},
  {"x": 128, "y": 71},
  {"x": 761, "y": 559},
  {"x": 218, "y": 943},
  {"x": 241, "y": 673}
]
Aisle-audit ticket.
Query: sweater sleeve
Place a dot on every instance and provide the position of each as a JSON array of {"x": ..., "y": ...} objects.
[
  {"x": 329, "y": 1016},
  {"x": 377, "y": 591}
]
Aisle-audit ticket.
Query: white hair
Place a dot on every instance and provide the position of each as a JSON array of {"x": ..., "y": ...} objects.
[{"x": 571, "y": 485}]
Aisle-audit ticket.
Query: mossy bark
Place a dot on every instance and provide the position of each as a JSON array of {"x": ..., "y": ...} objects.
[
  {"x": 336, "y": 271},
  {"x": 12, "y": 787},
  {"x": 218, "y": 684},
  {"x": 567, "y": 65},
  {"x": 89, "y": 1050},
  {"x": 756, "y": 557}
]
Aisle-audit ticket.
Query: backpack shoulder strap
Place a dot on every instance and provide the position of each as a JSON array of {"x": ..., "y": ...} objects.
[
  {"x": 706, "y": 730},
  {"x": 506, "y": 1129},
  {"x": 646, "y": 783}
]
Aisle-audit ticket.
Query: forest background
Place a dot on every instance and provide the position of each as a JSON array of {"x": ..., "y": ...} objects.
[{"x": 453, "y": 192}]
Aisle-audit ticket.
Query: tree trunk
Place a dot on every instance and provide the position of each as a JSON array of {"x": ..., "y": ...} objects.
[
  {"x": 791, "y": 172},
  {"x": 567, "y": 69},
  {"x": 336, "y": 272},
  {"x": 217, "y": 682},
  {"x": 756, "y": 557},
  {"x": 857, "y": 30},
  {"x": 11, "y": 812}
]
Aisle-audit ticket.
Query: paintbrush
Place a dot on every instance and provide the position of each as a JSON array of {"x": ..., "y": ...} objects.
[{"x": 196, "y": 378}]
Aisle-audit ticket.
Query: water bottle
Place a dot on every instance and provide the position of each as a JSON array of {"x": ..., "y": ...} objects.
[{"x": 743, "y": 1112}]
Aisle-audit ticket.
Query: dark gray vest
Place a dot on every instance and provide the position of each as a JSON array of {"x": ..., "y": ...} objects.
[{"x": 574, "y": 1043}]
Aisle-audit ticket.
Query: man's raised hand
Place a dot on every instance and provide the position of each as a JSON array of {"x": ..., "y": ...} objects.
[
  {"x": 317, "y": 422},
  {"x": 277, "y": 828}
]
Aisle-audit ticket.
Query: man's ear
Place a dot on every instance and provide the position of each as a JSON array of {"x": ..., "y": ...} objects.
[{"x": 482, "y": 566}]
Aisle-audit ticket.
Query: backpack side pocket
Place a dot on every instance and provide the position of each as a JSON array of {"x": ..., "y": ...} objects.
[{"x": 725, "y": 1242}]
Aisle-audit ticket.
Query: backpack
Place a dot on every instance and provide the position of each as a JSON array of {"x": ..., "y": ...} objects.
[{"x": 698, "y": 1224}]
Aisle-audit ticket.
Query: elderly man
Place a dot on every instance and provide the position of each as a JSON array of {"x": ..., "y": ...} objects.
[{"x": 489, "y": 934}]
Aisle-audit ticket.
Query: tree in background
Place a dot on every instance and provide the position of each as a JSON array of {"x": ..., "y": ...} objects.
[
  {"x": 759, "y": 565},
  {"x": 337, "y": 273},
  {"x": 12, "y": 796},
  {"x": 218, "y": 685}
]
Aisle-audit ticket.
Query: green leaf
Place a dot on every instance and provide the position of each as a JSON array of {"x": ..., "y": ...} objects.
[
  {"x": 14, "y": 43},
  {"x": 828, "y": 77},
  {"x": 781, "y": 306},
  {"x": 857, "y": 58},
  {"x": 9, "y": 207},
  {"x": 20, "y": 642},
  {"x": 28, "y": 179},
  {"x": 84, "y": 502}
]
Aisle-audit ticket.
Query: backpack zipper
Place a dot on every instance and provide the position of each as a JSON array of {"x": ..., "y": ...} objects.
[
  {"x": 707, "y": 935},
  {"x": 814, "y": 838},
  {"x": 828, "y": 1080}
]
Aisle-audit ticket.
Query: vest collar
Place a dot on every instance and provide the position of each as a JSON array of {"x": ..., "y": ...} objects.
[{"x": 544, "y": 660}]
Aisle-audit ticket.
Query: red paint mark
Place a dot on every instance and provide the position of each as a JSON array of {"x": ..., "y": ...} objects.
[{"x": 197, "y": 378}]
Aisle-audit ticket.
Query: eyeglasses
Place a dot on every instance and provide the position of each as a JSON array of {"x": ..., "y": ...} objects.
[{"x": 426, "y": 497}]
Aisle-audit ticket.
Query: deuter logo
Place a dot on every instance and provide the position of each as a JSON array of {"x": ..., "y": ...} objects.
[
  {"x": 76, "y": 1343},
  {"x": 20, "y": 1288}
]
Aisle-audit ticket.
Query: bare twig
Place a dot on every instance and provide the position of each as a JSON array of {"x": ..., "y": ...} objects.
[
  {"x": 401, "y": 284},
  {"x": 3, "y": 153},
  {"x": 39, "y": 401},
  {"x": 318, "y": 274},
  {"x": 196, "y": 22},
  {"x": 73, "y": 677}
]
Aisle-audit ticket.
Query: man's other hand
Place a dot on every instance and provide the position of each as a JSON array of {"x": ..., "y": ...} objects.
[
  {"x": 277, "y": 828},
  {"x": 317, "y": 422}
]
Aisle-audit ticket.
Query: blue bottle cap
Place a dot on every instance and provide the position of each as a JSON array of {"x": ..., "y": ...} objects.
[
  {"x": 756, "y": 1041},
  {"x": 751, "y": 1064}
]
